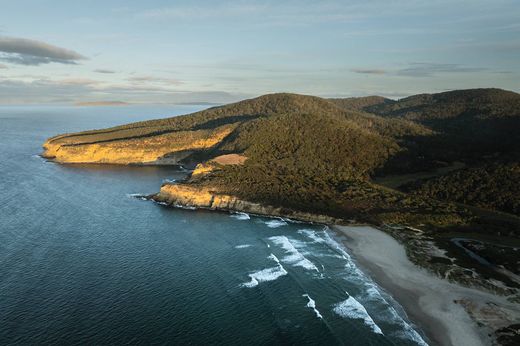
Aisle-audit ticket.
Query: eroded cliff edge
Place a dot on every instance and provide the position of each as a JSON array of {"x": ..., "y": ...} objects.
[
  {"x": 187, "y": 195},
  {"x": 130, "y": 147}
]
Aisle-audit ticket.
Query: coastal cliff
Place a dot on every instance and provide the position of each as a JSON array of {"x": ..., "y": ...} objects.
[
  {"x": 168, "y": 148},
  {"x": 407, "y": 166},
  {"x": 186, "y": 195}
]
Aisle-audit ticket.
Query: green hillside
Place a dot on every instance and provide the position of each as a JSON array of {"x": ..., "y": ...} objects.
[
  {"x": 308, "y": 153},
  {"x": 450, "y": 161}
]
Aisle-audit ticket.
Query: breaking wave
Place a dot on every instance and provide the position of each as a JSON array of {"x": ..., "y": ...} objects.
[
  {"x": 140, "y": 196},
  {"x": 169, "y": 181},
  {"x": 312, "y": 234},
  {"x": 275, "y": 223},
  {"x": 370, "y": 294},
  {"x": 294, "y": 257},
  {"x": 268, "y": 274},
  {"x": 351, "y": 308},
  {"x": 312, "y": 304},
  {"x": 240, "y": 216},
  {"x": 243, "y": 246}
]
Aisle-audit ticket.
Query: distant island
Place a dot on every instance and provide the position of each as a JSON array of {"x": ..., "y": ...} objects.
[
  {"x": 101, "y": 103},
  {"x": 438, "y": 172}
]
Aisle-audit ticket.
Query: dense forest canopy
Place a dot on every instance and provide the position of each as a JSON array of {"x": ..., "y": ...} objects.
[{"x": 325, "y": 152}]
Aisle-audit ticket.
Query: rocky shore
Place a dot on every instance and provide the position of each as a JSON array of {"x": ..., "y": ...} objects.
[{"x": 193, "y": 196}]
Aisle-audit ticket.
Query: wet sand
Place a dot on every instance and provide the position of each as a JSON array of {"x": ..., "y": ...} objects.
[{"x": 427, "y": 299}]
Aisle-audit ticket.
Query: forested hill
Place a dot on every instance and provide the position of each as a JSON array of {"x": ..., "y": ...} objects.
[
  {"x": 472, "y": 103},
  {"x": 322, "y": 151},
  {"x": 361, "y": 103},
  {"x": 428, "y": 168}
]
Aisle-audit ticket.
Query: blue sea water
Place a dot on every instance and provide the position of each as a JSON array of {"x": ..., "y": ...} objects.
[{"x": 82, "y": 261}]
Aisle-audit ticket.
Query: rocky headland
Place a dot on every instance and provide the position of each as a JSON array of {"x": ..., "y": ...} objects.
[{"x": 407, "y": 167}]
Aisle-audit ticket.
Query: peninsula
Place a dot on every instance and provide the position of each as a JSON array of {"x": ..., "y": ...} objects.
[{"x": 438, "y": 172}]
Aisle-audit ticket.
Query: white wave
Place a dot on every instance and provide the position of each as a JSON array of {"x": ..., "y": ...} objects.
[
  {"x": 264, "y": 275},
  {"x": 334, "y": 244},
  {"x": 373, "y": 295},
  {"x": 275, "y": 223},
  {"x": 184, "y": 207},
  {"x": 312, "y": 304},
  {"x": 291, "y": 220},
  {"x": 312, "y": 234},
  {"x": 243, "y": 246},
  {"x": 351, "y": 308},
  {"x": 240, "y": 216},
  {"x": 391, "y": 314},
  {"x": 137, "y": 196},
  {"x": 294, "y": 257},
  {"x": 169, "y": 181},
  {"x": 274, "y": 258}
]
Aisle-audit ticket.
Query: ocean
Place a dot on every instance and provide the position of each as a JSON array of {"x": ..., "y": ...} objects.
[{"x": 83, "y": 261}]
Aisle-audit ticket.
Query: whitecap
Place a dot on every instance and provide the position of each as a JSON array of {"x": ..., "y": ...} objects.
[
  {"x": 351, "y": 308},
  {"x": 312, "y": 304},
  {"x": 140, "y": 196},
  {"x": 407, "y": 332},
  {"x": 240, "y": 216},
  {"x": 169, "y": 181},
  {"x": 275, "y": 223},
  {"x": 186, "y": 207},
  {"x": 264, "y": 275},
  {"x": 274, "y": 258},
  {"x": 243, "y": 246},
  {"x": 372, "y": 294},
  {"x": 294, "y": 257},
  {"x": 311, "y": 234}
]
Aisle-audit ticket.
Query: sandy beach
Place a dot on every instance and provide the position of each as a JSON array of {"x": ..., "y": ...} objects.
[{"x": 428, "y": 300}]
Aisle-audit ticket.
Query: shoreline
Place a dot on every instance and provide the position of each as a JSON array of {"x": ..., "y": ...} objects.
[
  {"x": 444, "y": 312},
  {"x": 429, "y": 301},
  {"x": 422, "y": 305}
]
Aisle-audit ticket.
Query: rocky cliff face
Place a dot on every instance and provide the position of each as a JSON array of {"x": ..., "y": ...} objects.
[
  {"x": 186, "y": 195},
  {"x": 167, "y": 148}
]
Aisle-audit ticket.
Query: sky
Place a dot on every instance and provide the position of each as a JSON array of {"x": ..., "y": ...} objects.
[{"x": 154, "y": 51}]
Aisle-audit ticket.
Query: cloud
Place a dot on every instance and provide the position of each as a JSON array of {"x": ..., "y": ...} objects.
[
  {"x": 15, "y": 91},
  {"x": 152, "y": 79},
  {"x": 368, "y": 71},
  {"x": 104, "y": 71},
  {"x": 2, "y": 66},
  {"x": 420, "y": 69},
  {"x": 31, "y": 52},
  {"x": 78, "y": 81}
]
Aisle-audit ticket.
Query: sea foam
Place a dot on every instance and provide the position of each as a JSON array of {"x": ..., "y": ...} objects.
[
  {"x": 140, "y": 196},
  {"x": 268, "y": 274},
  {"x": 293, "y": 257},
  {"x": 275, "y": 223},
  {"x": 243, "y": 246},
  {"x": 351, "y": 308},
  {"x": 372, "y": 295},
  {"x": 240, "y": 216},
  {"x": 312, "y": 304},
  {"x": 169, "y": 181},
  {"x": 311, "y": 234}
]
